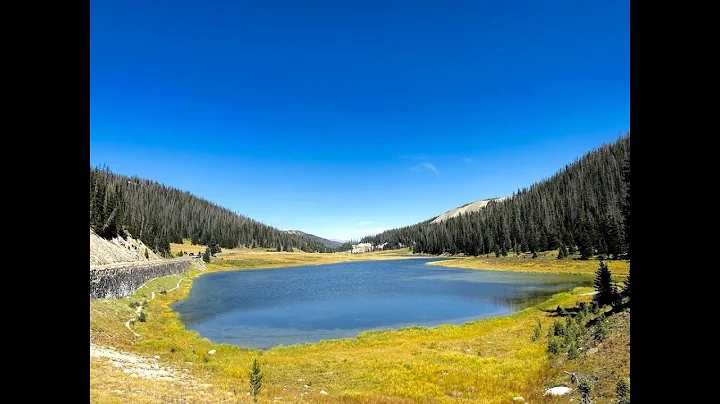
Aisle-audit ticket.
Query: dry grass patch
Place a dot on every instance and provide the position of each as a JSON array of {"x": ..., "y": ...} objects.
[
  {"x": 546, "y": 262},
  {"x": 606, "y": 362}
]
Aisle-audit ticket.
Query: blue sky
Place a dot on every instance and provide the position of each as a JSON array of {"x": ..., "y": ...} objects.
[{"x": 344, "y": 118}]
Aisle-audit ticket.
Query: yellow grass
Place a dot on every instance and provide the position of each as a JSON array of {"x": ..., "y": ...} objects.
[
  {"x": 488, "y": 361},
  {"x": 187, "y": 247},
  {"x": 261, "y": 258},
  {"x": 546, "y": 262}
]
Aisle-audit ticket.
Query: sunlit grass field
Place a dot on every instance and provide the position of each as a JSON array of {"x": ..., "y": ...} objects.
[
  {"x": 546, "y": 262},
  {"x": 486, "y": 361}
]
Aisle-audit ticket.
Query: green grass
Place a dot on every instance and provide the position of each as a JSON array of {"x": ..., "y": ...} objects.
[{"x": 487, "y": 361}]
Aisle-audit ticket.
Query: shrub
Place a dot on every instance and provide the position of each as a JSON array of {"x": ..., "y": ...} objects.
[
  {"x": 572, "y": 331},
  {"x": 537, "y": 332},
  {"x": 573, "y": 351},
  {"x": 558, "y": 329},
  {"x": 142, "y": 317},
  {"x": 623, "y": 391},
  {"x": 585, "y": 386},
  {"x": 602, "y": 329},
  {"x": 554, "y": 345}
]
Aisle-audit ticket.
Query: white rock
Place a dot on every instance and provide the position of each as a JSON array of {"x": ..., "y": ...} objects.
[
  {"x": 323, "y": 392},
  {"x": 156, "y": 356},
  {"x": 519, "y": 399},
  {"x": 299, "y": 380},
  {"x": 306, "y": 386},
  {"x": 558, "y": 391},
  {"x": 211, "y": 352}
]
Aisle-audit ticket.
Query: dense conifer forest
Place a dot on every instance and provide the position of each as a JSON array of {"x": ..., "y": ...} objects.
[
  {"x": 159, "y": 215},
  {"x": 584, "y": 208}
]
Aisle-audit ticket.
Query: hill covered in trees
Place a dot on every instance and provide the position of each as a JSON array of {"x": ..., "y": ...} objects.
[
  {"x": 327, "y": 243},
  {"x": 584, "y": 207},
  {"x": 159, "y": 215}
]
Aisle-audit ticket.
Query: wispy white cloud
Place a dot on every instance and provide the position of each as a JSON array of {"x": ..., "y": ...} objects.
[
  {"x": 364, "y": 222},
  {"x": 426, "y": 166}
]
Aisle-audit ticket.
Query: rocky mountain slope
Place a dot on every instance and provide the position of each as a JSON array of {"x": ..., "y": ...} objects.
[
  {"x": 117, "y": 250},
  {"x": 467, "y": 208}
]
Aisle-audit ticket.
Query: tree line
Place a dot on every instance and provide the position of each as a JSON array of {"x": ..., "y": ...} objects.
[
  {"x": 585, "y": 208},
  {"x": 159, "y": 215}
]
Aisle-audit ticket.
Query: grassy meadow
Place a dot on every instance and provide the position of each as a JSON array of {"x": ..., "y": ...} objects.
[
  {"x": 546, "y": 262},
  {"x": 485, "y": 361}
]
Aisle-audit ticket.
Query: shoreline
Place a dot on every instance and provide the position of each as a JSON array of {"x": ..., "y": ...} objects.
[{"x": 363, "y": 361}]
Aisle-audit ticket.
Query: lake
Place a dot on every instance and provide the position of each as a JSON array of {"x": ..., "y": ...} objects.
[{"x": 294, "y": 305}]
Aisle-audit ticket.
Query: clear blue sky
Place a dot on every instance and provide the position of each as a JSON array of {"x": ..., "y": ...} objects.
[{"x": 344, "y": 118}]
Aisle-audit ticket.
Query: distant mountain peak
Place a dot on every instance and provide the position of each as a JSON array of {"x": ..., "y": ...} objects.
[{"x": 465, "y": 209}]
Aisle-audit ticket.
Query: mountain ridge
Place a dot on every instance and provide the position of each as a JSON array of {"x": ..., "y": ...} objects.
[
  {"x": 466, "y": 208},
  {"x": 324, "y": 241}
]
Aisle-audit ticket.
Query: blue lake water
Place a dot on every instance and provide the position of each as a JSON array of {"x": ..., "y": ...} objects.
[{"x": 285, "y": 306}]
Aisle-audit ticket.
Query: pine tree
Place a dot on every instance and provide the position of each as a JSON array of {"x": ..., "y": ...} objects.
[
  {"x": 622, "y": 390},
  {"x": 604, "y": 286},
  {"x": 585, "y": 386},
  {"x": 584, "y": 244},
  {"x": 561, "y": 252},
  {"x": 626, "y": 204},
  {"x": 256, "y": 378},
  {"x": 626, "y": 287}
]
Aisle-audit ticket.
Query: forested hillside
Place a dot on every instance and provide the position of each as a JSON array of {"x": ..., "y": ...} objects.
[
  {"x": 158, "y": 215},
  {"x": 327, "y": 243},
  {"x": 584, "y": 207}
]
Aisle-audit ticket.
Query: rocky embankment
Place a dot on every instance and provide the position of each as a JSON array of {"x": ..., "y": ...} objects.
[
  {"x": 118, "y": 267},
  {"x": 121, "y": 280},
  {"x": 117, "y": 250}
]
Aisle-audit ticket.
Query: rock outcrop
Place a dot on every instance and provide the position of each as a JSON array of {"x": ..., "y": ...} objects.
[{"x": 117, "y": 250}]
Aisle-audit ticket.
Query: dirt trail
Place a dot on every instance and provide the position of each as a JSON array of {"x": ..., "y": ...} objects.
[
  {"x": 136, "y": 366},
  {"x": 139, "y": 308}
]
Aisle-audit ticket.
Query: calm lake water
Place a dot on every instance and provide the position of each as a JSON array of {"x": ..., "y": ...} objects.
[{"x": 285, "y": 306}]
